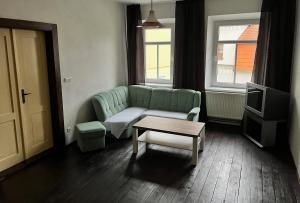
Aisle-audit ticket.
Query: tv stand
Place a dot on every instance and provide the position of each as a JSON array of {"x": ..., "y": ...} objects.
[{"x": 261, "y": 132}]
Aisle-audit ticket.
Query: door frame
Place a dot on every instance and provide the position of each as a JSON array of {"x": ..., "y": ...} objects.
[{"x": 54, "y": 77}]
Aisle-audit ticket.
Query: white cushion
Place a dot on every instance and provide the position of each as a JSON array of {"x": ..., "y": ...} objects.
[
  {"x": 166, "y": 114},
  {"x": 119, "y": 122}
]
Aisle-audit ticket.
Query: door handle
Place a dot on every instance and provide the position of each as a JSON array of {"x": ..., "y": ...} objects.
[{"x": 24, "y": 94}]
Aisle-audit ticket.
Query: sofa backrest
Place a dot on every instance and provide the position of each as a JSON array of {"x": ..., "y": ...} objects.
[
  {"x": 183, "y": 100},
  {"x": 161, "y": 99},
  {"x": 139, "y": 96},
  {"x": 180, "y": 100},
  {"x": 108, "y": 103}
]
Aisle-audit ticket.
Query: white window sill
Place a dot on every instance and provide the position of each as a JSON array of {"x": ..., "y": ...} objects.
[
  {"x": 226, "y": 90},
  {"x": 159, "y": 85},
  {"x": 208, "y": 89}
]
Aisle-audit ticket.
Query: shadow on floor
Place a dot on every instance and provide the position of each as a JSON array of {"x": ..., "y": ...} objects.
[{"x": 160, "y": 167}]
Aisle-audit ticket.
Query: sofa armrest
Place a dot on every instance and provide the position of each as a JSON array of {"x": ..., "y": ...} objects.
[
  {"x": 99, "y": 107},
  {"x": 193, "y": 115}
]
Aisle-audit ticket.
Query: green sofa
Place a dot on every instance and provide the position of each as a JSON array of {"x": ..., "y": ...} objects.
[{"x": 119, "y": 108}]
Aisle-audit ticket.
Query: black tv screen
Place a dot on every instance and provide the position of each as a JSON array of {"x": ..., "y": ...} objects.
[{"x": 254, "y": 98}]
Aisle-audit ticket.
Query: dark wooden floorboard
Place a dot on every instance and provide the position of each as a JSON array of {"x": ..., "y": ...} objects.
[
  {"x": 221, "y": 184},
  {"x": 202, "y": 177},
  {"x": 191, "y": 190},
  {"x": 158, "y": 192},
  {"x": 92, "y": 169},
  {"x": 235, "y": 173},
  {"x": 230, "y": 169},
  {"x": 209, "y": 186},
  {"x": 268, "y": 193},
  {"x": 256, "y": 176},
  {"x": 285, "y": 190},
  {"x": 245, "y": 179},
  {"x": 183, "y": 186}
]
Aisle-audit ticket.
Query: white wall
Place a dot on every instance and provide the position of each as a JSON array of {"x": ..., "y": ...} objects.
[
  {"x": 221, "y": 7},
  {"x": 212, "y": 7},
  {"x": 295, "y": 103},
  {"x": 162, "y": 10},
  {"x": 90, "y": 44}
]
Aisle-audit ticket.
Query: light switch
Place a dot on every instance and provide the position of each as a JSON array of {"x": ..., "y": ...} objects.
[{"x": 68, "y": 79}]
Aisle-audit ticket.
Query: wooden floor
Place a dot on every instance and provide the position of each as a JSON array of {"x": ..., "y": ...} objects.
[{"x": 231, "y": 169}]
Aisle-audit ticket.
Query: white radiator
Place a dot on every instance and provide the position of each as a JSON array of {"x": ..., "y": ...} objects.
[{"x": 223, "y": 105}]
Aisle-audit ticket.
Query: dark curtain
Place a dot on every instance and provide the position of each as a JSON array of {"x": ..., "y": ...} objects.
[
  {"x": 274, "y": 52},
  {"x": 135, "y": 46},
  {"x": 189, "y": 59}
]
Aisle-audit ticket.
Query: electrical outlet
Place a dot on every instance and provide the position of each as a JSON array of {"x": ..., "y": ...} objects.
[{"x": 68, "y": 130}]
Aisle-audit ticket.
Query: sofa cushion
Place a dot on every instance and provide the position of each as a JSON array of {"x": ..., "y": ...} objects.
[
  {"x": 183, "y": 100},
  {"x": 139, "y": 96},
  {"x": 107, "y": 104},
  {"x": 91, "y": 127},
  {"x": 179, "y": 100},
  {"x": 119, "y": 122},
  {"x": 161, "y": 99},
  {"x": 166, "y": 114}
]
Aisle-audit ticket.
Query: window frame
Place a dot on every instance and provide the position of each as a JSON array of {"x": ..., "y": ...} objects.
[
  {"x": 216, "y": 25},
  {"x": 167, "y": 23}
]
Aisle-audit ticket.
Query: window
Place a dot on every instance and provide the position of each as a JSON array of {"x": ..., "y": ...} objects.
[
  {"x": 234, "y": 47},
  {"x": 159, "y": 54},
  {"x": 220, "y": 51}
]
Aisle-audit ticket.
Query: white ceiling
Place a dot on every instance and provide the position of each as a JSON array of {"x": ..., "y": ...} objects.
[{"x": 144, "y": 1}]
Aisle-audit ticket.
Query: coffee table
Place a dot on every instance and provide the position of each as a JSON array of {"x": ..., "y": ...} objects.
[{"x": 170, "y": 132}]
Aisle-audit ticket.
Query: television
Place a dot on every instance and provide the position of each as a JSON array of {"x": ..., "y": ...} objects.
[{"x": 267, "y": 103}]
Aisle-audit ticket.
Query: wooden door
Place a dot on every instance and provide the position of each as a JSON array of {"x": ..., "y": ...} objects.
[
  {"x": 32, "y": 74},
  {"x": 11, "y": 149}
]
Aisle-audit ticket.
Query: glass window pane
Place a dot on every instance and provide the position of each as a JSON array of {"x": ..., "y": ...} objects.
[
  {"x": 151, "y": 61},
  {"x": 242, "y": 77},
  {"x": 220, "y": 49},
  {"x": 164, "y": 61},
  {"x": 158, "y": 35},
  {"x": 226, "y": 63},
  {"x": 238, "y": 32},
  {"x": 245, "y": 62}
]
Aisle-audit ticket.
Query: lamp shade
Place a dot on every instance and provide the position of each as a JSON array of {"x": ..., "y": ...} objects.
[{"x": 151, "y": 21}]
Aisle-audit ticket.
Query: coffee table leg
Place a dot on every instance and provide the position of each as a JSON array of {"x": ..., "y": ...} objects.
[
  {"x": 202, "y": 143},
  {"x": 195, "y": 151},
  {"x": 135, "y": 140}
]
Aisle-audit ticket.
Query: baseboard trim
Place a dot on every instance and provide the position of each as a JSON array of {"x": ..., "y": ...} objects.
[{"x": 225, "y": 121}]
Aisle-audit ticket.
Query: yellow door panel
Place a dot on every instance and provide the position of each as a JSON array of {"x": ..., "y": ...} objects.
[
  {"x": 8, "y": 140},
  {"x": 31, "y": 64},
  {"x": 11, "y": 148}
]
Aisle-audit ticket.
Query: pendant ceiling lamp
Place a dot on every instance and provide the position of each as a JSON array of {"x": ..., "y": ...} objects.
[{"x": 151, "y": 21}]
